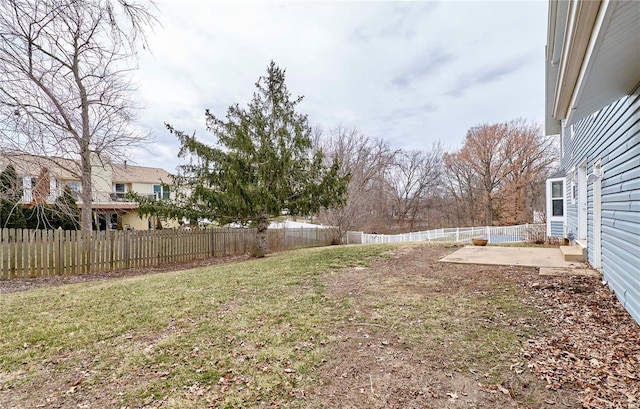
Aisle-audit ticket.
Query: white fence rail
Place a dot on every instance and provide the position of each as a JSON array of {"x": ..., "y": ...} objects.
[{"x": 495, "y": 234}]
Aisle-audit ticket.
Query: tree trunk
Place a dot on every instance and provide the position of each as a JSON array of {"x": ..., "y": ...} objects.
[
  {"x": 261, "y": 236},
  {"x": 86, "y": 216}
]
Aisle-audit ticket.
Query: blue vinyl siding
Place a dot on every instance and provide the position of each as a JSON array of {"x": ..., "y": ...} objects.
[
  {"x": 557, "y": 229},
  {"x": 613, "y": 136}
]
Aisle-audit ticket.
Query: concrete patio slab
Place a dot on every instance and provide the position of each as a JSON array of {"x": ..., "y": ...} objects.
[{"x": 512, "y": 256}]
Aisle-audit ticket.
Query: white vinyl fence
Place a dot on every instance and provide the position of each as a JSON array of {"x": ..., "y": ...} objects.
[{"x": 495, "y": 234}]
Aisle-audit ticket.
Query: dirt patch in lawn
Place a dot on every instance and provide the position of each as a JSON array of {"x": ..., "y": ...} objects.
[{"x": 423, "y": 334}]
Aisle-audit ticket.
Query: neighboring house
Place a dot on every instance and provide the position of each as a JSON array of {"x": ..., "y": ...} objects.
[
  {"x": 593, "y": 104},
  {"x": 44, "y": 180}
]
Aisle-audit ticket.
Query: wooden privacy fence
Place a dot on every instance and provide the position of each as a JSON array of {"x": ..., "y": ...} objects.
[{"x": 31, "y": 253}]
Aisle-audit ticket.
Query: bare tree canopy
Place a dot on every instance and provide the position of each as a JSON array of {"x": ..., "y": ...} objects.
[
  {"x": 367, "y": 160},
  {"x": 496, "y": 178},
  {"x": 497, "y": 175},
  {"x": 65, "y": 80},
  {"x": 414, "y": 177}
]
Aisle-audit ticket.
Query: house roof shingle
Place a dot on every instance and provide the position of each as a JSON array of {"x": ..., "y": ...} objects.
[{"x": 69, "y": 169}]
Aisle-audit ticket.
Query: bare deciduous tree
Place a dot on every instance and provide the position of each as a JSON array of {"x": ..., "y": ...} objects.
[
  {"x": 461, "y": 187},
  {"x": 528, "y": 156},
  {"x": 413, "y": 178},
  {"x": 65, "y": 85},
  {"x": 495, "y": 176},
  {"x": 367, "y": 161}
]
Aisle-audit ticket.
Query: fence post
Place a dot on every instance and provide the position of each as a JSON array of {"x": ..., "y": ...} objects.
[
  {"x": 125, "y": 247},
  {"x": 457, "y": 234},
  {"x": 488, "y": 234},
  {"x": 59, "y": 252}
]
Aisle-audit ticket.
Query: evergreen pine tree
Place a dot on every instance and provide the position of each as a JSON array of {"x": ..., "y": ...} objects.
[
  {"x": 11, "y": 215},
  {"x": 66, "y": 211},
  {"x": 40, "y": 216},
  {"x": 262, "y": 166},
  {"x": 10, "y": 186}
]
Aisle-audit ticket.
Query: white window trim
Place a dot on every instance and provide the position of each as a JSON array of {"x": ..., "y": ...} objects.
[{"x": 550, "y": 216}]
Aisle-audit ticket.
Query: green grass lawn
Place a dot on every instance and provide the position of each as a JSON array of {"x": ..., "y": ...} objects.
[{"x": 254, "y": 329}]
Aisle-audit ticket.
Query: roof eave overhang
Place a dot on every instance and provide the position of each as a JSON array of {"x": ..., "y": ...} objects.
[
  {"x": 600, "y": 58},
  {"x": 577, "y": 35}
]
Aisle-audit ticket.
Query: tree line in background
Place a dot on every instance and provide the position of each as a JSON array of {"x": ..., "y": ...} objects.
[
  {"x": 496, "y": 178},
  {"x": 267, "y": 161}
]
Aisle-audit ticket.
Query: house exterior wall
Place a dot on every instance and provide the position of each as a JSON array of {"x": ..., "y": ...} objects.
[
  {"x": 611, "y": 138},
  {"x": 142, "y": 188},
  {"x": 105, "y": 200},
  {"x": 593, "y": 93},
  {"x": 101, "y": 176},
  {"x": 133, "y": 220}
]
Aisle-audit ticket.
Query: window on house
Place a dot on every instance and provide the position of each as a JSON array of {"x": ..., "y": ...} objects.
[
  {"x": 160, "y": 192},
  {"x": 157, "y": 191},
  {"x": 26, "y": 188},
  {"x": 115, "y": 221},
  {"x": 557, "y": 198},
  {"x": 120, "y": 190},
  {"x": 75, "y": 188}
]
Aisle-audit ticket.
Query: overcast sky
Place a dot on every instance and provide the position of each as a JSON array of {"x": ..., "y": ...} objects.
[{"x": 412, "y": 73}]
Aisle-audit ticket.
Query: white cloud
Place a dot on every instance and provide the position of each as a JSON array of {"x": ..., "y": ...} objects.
[{"x": 410, "y": 72}]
